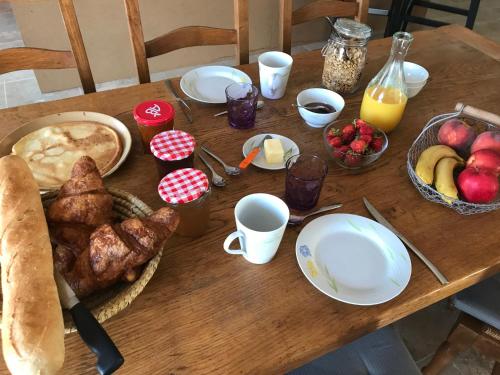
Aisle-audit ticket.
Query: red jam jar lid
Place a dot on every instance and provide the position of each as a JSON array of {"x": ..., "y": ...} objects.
[
  {"x": 172, "y": 145},
  {"x": 153, "y": 112},
  {"x": 183, "y": 186}
]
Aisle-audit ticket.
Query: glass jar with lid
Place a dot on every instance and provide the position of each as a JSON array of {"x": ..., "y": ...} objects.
[
  {"x": 173, "y": 149},
  {"x": 345, "y": 55},
  {"x": 153, "y": 117},
  {"x": 187, "y": 191}
]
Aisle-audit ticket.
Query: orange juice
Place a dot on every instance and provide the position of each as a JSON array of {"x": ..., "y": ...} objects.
[{"x": 383, "y": 107}]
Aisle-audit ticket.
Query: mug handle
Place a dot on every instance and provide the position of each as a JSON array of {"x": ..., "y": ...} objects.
[
  {"x": 230, "y": 239},
  {"x": 272, "y": 82}
]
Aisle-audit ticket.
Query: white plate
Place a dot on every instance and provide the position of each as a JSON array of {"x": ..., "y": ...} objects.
[
  {"x": 353, "y": 259},
  {"x": 57, "y": 118},
  {"x": 260, "y": 159},
  {"x": 208, "y": 83}
]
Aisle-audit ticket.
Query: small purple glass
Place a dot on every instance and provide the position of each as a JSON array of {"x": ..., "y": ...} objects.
[
  {"x": 304, "y": 179},
  {"x": 241, "y": 105}
]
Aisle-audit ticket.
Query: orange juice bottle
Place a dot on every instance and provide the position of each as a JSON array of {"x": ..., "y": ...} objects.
[{"x": 385, "y": 97}]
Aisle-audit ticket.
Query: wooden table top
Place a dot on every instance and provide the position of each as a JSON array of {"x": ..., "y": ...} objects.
[{"x": 207, "y": 312}]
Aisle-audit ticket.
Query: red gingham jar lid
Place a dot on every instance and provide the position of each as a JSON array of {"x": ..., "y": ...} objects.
[
  {"x": 172, "y": 145},
  {"x": 183, "y": 186},
  {"x": 153, "y": 112}
]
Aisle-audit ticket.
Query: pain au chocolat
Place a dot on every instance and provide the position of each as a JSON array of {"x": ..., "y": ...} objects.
[{"x": 51, "y": 151}]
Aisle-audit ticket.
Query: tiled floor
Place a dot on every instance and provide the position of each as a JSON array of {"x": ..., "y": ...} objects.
[{"x": 423, "y": 331}]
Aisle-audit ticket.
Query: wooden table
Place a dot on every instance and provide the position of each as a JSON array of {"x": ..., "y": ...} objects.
[{"x": 207, "y": 312}]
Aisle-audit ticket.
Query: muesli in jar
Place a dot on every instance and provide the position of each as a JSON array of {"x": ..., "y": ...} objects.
[{"x": 345, "y": 56}]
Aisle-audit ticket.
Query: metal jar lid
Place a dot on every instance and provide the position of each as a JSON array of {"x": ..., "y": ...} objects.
[{"x": 348, "y": 28}]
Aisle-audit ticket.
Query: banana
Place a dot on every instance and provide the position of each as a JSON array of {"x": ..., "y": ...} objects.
[
  {"x": 444, "y": 179},
  {"x": 429, "y": 158}
]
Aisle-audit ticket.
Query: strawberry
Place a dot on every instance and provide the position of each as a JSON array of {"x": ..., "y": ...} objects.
[
  {"x": 349, "y": 129},
  {"x": 358, "y": 122},
  {"x": 358, "y": 146},
  {"x": 365, "y": 129},
  {"x": 377, "y": 144},
  {"x": 340, "y": 152},
  {"x": 333, "y": 133},
  {"x": 352, "y": 159},
  {"x": 365, "y": 137},
  {"x": 335, "y": 141},
  {"x": 347, "y": 138}
]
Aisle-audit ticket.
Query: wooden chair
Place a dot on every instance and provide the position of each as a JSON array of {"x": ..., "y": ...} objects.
[
  {"x": 183, "y": 37},
  {"x": 317, "y": 9},
  {"x": 478, "y": 326},
  {"x": 12, "y": 59}
]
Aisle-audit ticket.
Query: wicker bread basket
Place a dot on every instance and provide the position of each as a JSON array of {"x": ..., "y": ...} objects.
[{"x": 109, "y": 302}]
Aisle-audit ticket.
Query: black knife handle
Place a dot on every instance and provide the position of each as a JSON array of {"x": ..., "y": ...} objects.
[{"x": 95, "y": 337}]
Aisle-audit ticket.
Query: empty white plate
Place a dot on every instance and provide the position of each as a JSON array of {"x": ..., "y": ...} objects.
[
  {"x": 353, "y": 259},
  {"x": 208, "y": 83},
  {"x": 289, "y": 147}
]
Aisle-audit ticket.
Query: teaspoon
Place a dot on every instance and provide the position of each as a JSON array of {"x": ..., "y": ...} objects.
[
  {"x": 311, "y": 107},
  {"x": 217, "y": 180},
  {"x": 299, "y": 219},
  {"x": 232, "y": 171},
  {"x": 260, "y": 104}
]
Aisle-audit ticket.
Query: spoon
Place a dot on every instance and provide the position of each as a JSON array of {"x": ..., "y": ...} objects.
[
  {"x": 232, "y": 171},
  {"x": 260, "y": 104},
  {"x": 311, "y": 107},
  {"x": 217, "y": 180},
  {"x": 298, "y": 219}
]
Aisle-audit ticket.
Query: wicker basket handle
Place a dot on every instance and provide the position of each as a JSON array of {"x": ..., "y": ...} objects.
[{"x": 478, "y": 113}]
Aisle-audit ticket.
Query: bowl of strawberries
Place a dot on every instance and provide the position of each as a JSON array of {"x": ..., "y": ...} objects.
[{"x": 354, "y": 145}]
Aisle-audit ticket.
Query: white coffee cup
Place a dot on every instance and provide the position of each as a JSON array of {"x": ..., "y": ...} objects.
[
  {"x": 274, "y": 69},
  {"x": 261, "y": 220}
]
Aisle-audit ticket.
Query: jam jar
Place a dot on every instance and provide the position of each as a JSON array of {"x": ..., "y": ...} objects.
[
  {"x": 173, "y": 149},
  {"x": 187, "y": 191},
  {"x": 153, "y": 117}
]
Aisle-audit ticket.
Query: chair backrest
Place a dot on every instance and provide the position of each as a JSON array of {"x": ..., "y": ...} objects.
[
  {"x": 12, "y": 59},
  {"x": 183, "y": 37},
  {"x": 358, "y": 9}
]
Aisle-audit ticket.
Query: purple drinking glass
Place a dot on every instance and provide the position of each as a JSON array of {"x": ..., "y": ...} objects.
[
  {"x": 304, "y": 179},
  {"x": 241, "y": 105}
]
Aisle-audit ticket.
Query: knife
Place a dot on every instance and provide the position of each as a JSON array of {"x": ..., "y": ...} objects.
[
  {"x": 253, "y": 153},
  {"x": 184, "y": 107},
  {"x": 95, "y": 337},
  {"x": 378, "y": 216}
]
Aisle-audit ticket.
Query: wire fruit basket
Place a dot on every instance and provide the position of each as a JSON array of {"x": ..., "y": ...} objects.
[{"x": 481, "y": 121}]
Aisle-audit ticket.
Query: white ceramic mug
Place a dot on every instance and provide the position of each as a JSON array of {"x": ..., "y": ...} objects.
[
  {"x": 261, "y": 220},
  {"x": 274, "y": 69}
]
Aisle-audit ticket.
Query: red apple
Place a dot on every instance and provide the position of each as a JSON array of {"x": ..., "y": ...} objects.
[
  {"x": 457, "y": 134},
  {"x": 477, "y": 186},
  {"x": 488, "y": 140},
  {"x": 486, "y": 160}
]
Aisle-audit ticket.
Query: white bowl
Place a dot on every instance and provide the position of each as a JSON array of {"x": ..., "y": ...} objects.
[
  {"x": 319, "y": 95},
  {"x": 415, "y": 76}
]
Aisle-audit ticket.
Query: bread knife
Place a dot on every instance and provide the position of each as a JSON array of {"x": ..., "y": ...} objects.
[{"x": 109, "y": 359}]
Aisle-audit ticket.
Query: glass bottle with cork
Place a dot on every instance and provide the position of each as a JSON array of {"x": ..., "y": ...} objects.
[{"x": 385, "y": 97}]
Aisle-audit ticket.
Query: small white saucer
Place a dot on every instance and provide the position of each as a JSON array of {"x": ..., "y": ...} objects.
[{"x": 289, "y": 146}]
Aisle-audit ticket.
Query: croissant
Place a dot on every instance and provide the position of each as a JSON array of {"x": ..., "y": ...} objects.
[
  {"x": 83, "y": 199},
  {"x": 115, "y": 251}
]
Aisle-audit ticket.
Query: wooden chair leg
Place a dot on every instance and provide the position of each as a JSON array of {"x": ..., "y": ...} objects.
[{"x": 460, "y": 339}]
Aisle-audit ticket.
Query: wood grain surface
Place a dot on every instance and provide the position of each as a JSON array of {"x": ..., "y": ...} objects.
[{"x": 207, "y": 312}]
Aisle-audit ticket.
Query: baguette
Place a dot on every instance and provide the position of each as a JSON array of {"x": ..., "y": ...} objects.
[{"x": 32, "y": 322}]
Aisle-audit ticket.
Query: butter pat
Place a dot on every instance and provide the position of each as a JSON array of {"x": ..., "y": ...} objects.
[{"x": 273, "y": 151}]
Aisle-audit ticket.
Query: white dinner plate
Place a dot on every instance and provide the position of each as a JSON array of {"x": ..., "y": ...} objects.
[
  {"x": 353, "y": 259},
  {"x": 57, "y": 118},
  {"x": 208, "y": 83},
  {"x": 289, "y": 146}
]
